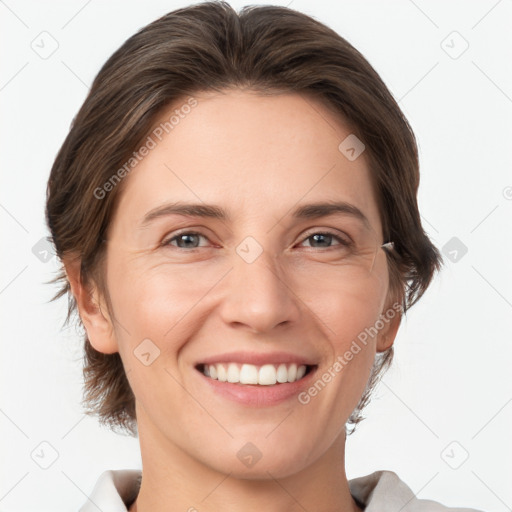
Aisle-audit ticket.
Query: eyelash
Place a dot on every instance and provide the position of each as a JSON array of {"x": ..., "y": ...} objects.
[{"x": 342, "y": 242}]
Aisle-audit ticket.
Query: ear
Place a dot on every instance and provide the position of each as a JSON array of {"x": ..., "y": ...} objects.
[
  {"x": 92, "y": 309},
  {"x": 391, "y": 317}
]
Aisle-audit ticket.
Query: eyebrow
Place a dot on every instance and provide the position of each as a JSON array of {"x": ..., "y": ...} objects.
[{"x": 308, "y": 211}]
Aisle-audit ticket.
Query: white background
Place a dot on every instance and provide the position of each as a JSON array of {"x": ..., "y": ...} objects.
[{"x": 450, "y": 380}]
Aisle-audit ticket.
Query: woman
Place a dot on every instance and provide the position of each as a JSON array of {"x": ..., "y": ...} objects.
[{"x": 235, "y": 208}]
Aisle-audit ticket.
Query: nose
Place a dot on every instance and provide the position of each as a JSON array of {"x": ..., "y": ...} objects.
[{"x": 258, "y": 295}]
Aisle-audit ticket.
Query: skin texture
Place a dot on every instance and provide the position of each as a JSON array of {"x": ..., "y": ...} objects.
[{"x": 258, "y": 157}]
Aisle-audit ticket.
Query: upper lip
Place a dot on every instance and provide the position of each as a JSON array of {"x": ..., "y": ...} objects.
[{"x": 258, "y": 359}]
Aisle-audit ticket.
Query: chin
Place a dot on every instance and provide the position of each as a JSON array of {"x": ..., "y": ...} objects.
[{"x": 263, "y": 459}]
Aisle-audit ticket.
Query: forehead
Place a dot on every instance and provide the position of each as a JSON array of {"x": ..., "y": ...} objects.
[{"x": 253, "y": 154}]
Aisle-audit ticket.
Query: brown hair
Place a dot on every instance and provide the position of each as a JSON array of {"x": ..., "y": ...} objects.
[{"x": 209, "y": 47}]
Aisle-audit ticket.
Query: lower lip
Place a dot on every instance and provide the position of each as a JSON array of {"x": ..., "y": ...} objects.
[{"x": 257, "y": 395}]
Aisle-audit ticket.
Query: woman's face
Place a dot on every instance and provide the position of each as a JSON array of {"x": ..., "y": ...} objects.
[{"x": 263, "y": 285}]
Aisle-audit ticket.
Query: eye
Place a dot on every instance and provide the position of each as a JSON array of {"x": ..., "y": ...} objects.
[
  {"x": 324, "y": 239},
  {"x": 185, "y": 240}
]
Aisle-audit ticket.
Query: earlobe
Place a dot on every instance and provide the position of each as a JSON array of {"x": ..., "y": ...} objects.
[
  {"x": 387, "y": 335},
  {"x": 94, "y": 316}
]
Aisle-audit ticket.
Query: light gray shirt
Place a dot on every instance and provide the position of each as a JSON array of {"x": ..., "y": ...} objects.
[{"x": 381, "y": 491}]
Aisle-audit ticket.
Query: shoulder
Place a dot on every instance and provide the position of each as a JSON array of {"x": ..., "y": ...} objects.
[
  {"x": 384, "y": 491},
  {"x": 113, "y": 491}
]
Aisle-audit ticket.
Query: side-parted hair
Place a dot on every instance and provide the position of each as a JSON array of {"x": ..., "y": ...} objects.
[{"x": 211, "y": 47}]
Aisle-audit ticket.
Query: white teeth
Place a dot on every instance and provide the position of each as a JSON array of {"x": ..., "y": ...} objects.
[
  {"x": 233, "y": 373},
  {"x": 282, "y": 373},
  {"x": 249, "y": 374},
  {"x": 221, "y": 372},
  {"x": 292, "y": 373},
  {"x": 266, "y": 375}
]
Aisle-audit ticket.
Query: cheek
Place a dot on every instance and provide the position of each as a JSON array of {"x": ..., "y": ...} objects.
[
  {"x": 348, "y": 315},
  {"x": 155, "y": 311},
  {"x": 160, "y": 301},
  {"x": 348, "y": 311},
  {"x": 152, "y": 301}
]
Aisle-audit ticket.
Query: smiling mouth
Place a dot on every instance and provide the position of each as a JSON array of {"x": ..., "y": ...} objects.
[{"x": 249, "y": 374}]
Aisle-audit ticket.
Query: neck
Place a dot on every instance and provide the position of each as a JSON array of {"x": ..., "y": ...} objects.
[{"x": 174, "y": 480}]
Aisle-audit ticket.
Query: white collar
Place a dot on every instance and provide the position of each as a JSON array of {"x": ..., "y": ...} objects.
[{"x": 381, "y": 491}]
